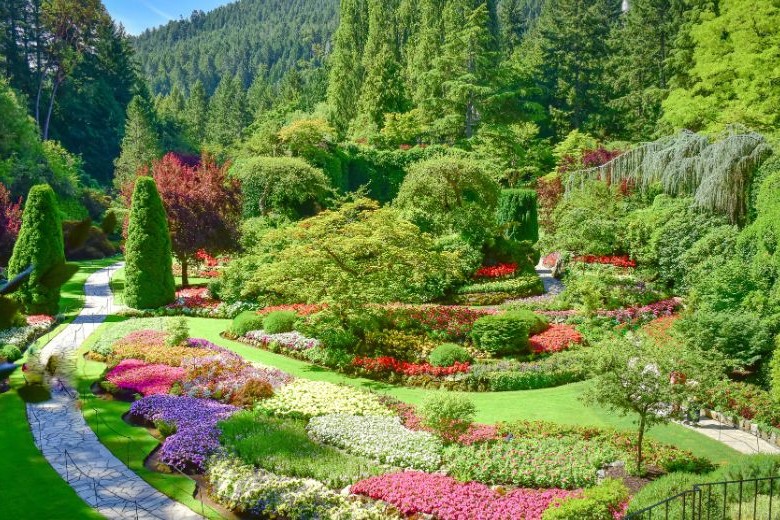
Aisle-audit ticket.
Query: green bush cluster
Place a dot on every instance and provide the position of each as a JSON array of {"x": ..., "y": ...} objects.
[
  {"x": 507, "y": 333},
  {"x": 279, "y": 321},
  {"x": 246, "y": 321},
  {"x": 596, "y": 503},
  {"x": 11, "y": 353},
  {"x": 520, "y": 287},
  {"x": 178, "y": 332},
  {"x": 448, "y": 354},
  {"x": 449, "y": 415},
  {"x": 149, "y": 279},
  {"x": 517, "y": 215}
]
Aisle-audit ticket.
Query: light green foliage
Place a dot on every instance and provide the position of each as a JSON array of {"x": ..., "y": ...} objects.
[
  {"x": 148, "y": 271},
  {"x": 284, "y": 186},
  {"x": 596, "y": 503},
  {"x": 733, "y": 76},
  {"x": 448, "y": 354},
  {"x": 279, "y": 321},
  {"x": 246, "y": 321},
  {"x": 10, "y": 353},
  {"x": 40, "y": 243},
  {"x": 357, "y": 254},
  {"x": 140, "y": 144},
  {"x": 524, "y": 156},
  {"x": 505, "y": 333},
  {"x": 775, "y": 371},
  {"x": 448, "y": 414},
  {"x": 178, "y": 332},
  {"x": 517, "y": 215},
  {"x": 573, "y": 145},
  {"x": 444, "y": 196},
  {"x": 665, "y": 487}
]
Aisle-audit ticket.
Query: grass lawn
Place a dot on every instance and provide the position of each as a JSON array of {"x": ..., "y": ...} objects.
[
  {"x": 560, "y": 404},
  {"x": 30, "y": 487}
]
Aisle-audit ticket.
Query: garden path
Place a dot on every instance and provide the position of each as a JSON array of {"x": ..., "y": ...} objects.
[
  {"x": 735, "y": 438},
  {"x": 67, "y": 441},
  {"x": 552, "y": 285}
]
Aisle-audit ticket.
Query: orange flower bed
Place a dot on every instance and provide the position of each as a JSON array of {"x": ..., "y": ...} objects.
[{"x": 555, "y": 339}]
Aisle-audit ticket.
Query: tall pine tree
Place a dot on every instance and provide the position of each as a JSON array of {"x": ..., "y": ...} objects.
[
  {"x": 196, "y": 110},
  {"x": 140, "y": 144},
  {"x": 227, "y": 115}
]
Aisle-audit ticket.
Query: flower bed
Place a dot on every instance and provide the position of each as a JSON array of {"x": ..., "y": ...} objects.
[
  {"x": 555, "y": 339},
  {"x": 452, "y": 321},
  {"x": 195, "y": 420},
  {"x": 192, "y": 298},
  {"x": 475, "y": 433},
  {"x": 652, "y": 311},
  {"x": 537, "y": 462},
  {"x": 20, "y": 337},
  {"x": 616, "y": 260},
  {"x": 305, "y": 399},
  {"x": 246, "y": 489},
  {"x": 380, "y": 438},
  {"x": 301, "y": 309},
  {"x": 222, "y": 310},
  {"x": 529, "y": 285},
  {"x": 149, "y": 346},
  {"x": 387, "y": 364},
  {"x": 414, "y": 493},
  {"x": 144, "y": 378},
  {"x": 289, "y": 340},
  {"x": 496, "y": 271}
]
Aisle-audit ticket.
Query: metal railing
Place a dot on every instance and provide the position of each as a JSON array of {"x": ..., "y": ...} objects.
[{"x": 749, "y": 499}]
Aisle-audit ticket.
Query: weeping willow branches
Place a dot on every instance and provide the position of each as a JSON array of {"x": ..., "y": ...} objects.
[{"x": 716, "y": 172}]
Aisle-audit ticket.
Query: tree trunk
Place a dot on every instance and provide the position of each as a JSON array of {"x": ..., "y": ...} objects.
[
  {"x": 185, "y": 280},
  {"x": 639, "y": 444},
  {"x": 56, "y": 85}
]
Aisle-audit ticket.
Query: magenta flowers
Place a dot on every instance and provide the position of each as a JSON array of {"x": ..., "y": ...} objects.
[
  {"x": 413, "y": 492},
  {"x": 144, "y": 378}
]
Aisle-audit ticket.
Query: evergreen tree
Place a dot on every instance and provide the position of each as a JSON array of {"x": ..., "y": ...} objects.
[
  {"x": 382, "y": 90},
  {"x": 140, "y": 145},
  {"x": 227, "y": 115},
  {"x": 195, "y": 114},
  {"x": 346, "y": 69},
  {"x": 422, "y": 79},
  {"x": 148, "y": 273},
  {"x": 40, "y": 244},
  {"x": 515, "y": 19}
]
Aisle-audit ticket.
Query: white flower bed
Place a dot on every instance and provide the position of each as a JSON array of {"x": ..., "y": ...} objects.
[
  {"x": 381, "y": 438},
  {"x": 21, "y": 336},
  {"x": 290, "y": 340},
  {"x": 244, "y": 488},
  {"x": 305, "y": 399}
]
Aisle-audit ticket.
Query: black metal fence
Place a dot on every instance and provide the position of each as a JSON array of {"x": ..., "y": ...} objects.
[{"x": 751, "y": 499}]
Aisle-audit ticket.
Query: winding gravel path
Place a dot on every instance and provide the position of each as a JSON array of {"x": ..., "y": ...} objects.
[{"x": 70, "y": 445}]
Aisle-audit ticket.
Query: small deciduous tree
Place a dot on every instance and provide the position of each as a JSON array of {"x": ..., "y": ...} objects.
[
  {"x": 10, "y": 222},
  {"x": 202, "y": 204},
  {"x": 148, "y": 273}
]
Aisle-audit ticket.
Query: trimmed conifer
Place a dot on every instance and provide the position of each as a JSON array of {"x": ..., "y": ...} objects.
[
  {"x": 40, "y": 243},
  {"x": 517, "y": 214},
  {"x": 149, "y": 280}
]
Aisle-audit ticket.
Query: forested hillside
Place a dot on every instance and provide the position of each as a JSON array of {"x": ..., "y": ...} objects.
[{"x": 246, "y": 38}]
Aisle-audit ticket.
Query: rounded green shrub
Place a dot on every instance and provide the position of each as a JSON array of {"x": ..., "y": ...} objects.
[
  {"x": 596, "y": 503},
  {"x": 448, "y": 354},
  {"x": 507, "y": 333},
  {"x": 11, "y": 353},
  {"x": 39, "y": 243},
  {"x": 246, "y": 321},
  {"x": 149, "y": 280},
  {"x": 448, "y": 414},
  {"x": 279, "y": 321}
]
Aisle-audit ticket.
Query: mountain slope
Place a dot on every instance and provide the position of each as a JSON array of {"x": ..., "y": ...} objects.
[{"x": 245, "y": 38}]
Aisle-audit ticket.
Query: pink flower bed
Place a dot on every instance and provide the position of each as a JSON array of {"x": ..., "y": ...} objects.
[
  {"x": 652, "y": 311},
  {"x": 413, "y": 492},
  {"x": 555, "y": 339},
  {"x": 144, "y": 378},
  {"x": 193, "y": 298},
  {"x": 41, "y": 319}
]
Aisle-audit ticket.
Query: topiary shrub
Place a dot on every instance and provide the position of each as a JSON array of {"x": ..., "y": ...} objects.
[
  {"x": 448, "y": 414},
  {"x": 246, "y": 321},
  {"x": 110, "y": 222},
  {"x": 504, "y": 334},
  {"x": 448, "y": 354},
  {"x": 279, "y": 321},
  {"x": 149, "y": 280},
  {"x": 11, "y": 353},
  {"x": 39, "y": 243}
]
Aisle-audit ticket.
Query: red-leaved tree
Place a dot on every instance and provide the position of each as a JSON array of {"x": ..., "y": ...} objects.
[
  {"x": 203, "y": 206},
  {"x": 10, "y": 222}
]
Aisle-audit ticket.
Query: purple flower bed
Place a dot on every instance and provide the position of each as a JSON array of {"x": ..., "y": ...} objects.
[
  {"x": 196, "y": 420},
  {"x": 290, "y": 340},
  {"x": 652, "y": 311},
  {"x": 207, "y": 345}
]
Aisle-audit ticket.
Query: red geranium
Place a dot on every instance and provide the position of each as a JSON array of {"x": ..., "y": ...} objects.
[
  {"x": 555, "y": 339},
  {"x": 496, "y": 271},
  {"x": 616, "y": 260},
  {"x": 383, "y": 364}
]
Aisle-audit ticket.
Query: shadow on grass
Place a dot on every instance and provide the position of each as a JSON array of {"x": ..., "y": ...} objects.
[{"x": 33, "y": 393}]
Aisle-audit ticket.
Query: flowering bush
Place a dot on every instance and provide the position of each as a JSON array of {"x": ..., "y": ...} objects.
[
  {"x": 496, "y": 271},
  {"x": 20, "y": 337},
  {"x": 301, "y": 309},
  {"x": 305, "y": 399},
  {"x": 616, "y": 260},
  {"x": 554, "y": 339},
  {"x": 193, "y": 298},
  {"x": 143, "y": 378},
  {"x": 380, "y": 438},
  {"x": 555, "y": 462},
  {"x": 450, "y": 320},
  {"x": 385, "y": 364},
  {"x": 443, "y": 497},
  {"x": 288, "y": 340},
  {"x": 409, "y": 345},
  {"x": 149, "y": 346},
  {"x": 41, "y": 319},
  {"x": 221, "y": 310},
  {"x": 744, "y": 401},
  {"x": 246, "y": 489},
  {"x": 197, "y": 435},
  {"x": 550, "y": 260},
  {"x": 652, "y": 311}
]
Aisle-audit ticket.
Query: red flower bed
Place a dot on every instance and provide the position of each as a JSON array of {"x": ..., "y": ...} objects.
[
  {"x": 652, "y": 311},
  {"x": 414, "y": 492},
  {"x": 616, "y": 260},
  {"x": 302, "y": 309},
  {"x": 40, "y": 319},
  {"x": 496, "y": 271},
  {"x": 555, "y": 339},
  {"x": 384, "y": 364},
  {"x": 551, "y": 259},
  {"x": 455, "y": 321},
  {"x": 193, "y": 298}
]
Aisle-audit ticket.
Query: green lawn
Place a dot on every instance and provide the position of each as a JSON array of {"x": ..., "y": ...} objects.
[{"x": 29, "y": 487}]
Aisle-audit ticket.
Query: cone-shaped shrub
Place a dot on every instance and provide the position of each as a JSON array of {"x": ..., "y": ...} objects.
[
  {"x": 148, "y": 273},
  {"x": 39, "y": 243}
]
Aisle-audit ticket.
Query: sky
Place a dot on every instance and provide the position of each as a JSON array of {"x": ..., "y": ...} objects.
[{"x": 137, "y": 15}]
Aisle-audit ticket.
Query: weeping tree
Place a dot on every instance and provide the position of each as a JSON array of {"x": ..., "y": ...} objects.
[
  {"x": 517, "y": 214},
  {"x": 716, "y": 172}
]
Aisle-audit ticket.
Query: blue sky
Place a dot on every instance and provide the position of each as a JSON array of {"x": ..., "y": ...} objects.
[{"x": 137, "y": 15}]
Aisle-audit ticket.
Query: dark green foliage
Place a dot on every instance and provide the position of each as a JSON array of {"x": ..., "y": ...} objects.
[
  {"x": 40, "y": 243},
  {"x": 665, "y": 487},
  {"x": 517, "y": 216},
  {"x": 110, "y": 222},
  {"x": 246, "y": 321},
  {"x": 447, "y": 355},
  {"x": 11, "y": 353},
  {"x": 279, "y": 321},
  {"x": 502, "y": 334},
  {"x": 75, "y": 233},
  {"x": 148, "y": 273},
  {"x": 501, "y": 250}
]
